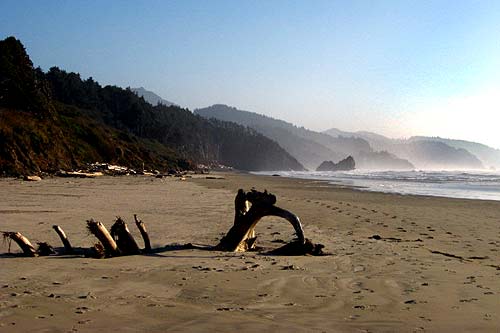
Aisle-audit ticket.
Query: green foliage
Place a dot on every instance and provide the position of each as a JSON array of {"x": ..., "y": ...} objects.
[
  {"x": 193, "y": 137},
  {"x": 56, "y": 120},
  {"x": 20, "y": 84}
]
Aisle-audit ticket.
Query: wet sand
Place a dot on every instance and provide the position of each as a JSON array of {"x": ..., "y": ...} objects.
[{"x": 397, "y": 263}]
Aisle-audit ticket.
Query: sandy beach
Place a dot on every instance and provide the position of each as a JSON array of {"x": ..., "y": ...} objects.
[{"x": 396, "y": 264}]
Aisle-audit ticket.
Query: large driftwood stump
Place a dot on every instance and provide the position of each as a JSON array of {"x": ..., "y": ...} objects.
[
  {"x": 23, "y": 242},
  {"x": 124, "y": 239},
  {"x": 241, "y": 237}
]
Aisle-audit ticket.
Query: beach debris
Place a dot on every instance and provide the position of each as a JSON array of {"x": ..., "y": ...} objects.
[
  {"x": 296, "y": 248},
  {"x": 290, "y": 268},
  {"x": 119, "y": 241},
  {"x": 249, "y": 208},
  {"x": 124, "y": 239},
  {"x": 144, "y": 233},
  {"x": 62, "y": 235},
  {"x": 97, "y": 252},
  {"x": 478, "y": 257},
  {"x": 358, "y": 269},
  {"x": 393, "y": 239},
  {"x": 108, "y": 243},
  {"x": 449, "y": 255},
  {"x": 32, "y": 178},
  {"x": 22, "y": 241},
  {"x": 79, "y": 174},
  {"x": 45, "y": 249}
]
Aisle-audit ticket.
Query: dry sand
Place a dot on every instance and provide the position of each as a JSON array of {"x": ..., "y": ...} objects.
[{"x": 392, "y": 284}]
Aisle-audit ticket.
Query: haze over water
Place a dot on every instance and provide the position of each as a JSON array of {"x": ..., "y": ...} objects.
[{"x": 463, "y": 184}]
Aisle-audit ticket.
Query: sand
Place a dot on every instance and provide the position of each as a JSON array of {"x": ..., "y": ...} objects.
[{"x": 433, "y": 265}]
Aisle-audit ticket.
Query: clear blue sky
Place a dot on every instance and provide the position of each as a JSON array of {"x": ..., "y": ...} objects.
[{"x": 399, "y": 68}]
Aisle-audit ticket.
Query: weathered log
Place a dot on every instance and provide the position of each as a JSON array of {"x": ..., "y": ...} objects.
[
  {"x": 62, "y": 235},
  {"x": 124, "y": 239},
  {"x": 97, "y": 251},
  {"x": 102, "y": 234},
  {"x": 241, "y": 236},
  {"x": 32, "y": 178},
  {"x": 144, "y": 233},
  {"x": 23, "y": 242}
]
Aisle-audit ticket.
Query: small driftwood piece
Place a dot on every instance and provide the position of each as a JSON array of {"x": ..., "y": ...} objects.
[
  {"x": 67, "y": 245},
  {"x": 144, "y": 233},
  {"x": 124, "y": 239},
  {"x": 23, "y": 242},
  {"x": 102, "y": 234},
  {"x": 241, "y": 236},
  {"x": 45, "y": 249}
]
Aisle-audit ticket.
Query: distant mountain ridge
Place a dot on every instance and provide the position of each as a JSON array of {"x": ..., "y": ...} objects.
[
  {"x": 429, "y": 153},
  {"x": 309, "y": 147},
  {"x": 488, "y": 155},
  {"x": 309, "y": 152},
  {"x": 56, "y": 120},
  {"x": 151, "y": 97}
]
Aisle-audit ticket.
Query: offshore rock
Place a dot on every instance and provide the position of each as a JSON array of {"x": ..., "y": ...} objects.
[{"x": 344, "y": 165}]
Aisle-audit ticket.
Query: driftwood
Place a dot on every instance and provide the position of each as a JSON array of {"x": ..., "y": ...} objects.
[
  {"x": 144, "y": 233},
  {"x": 296, "y": 248},
  {"x": 97, "y": 251},
  {"x": 249, "y": 207},
  {"x": 124, "y": 239},
  {"x": 241, "y": 236},
  {"x": 102, "y": 234},
  {"x": 23, "y": 242},
  {"x": 67, "y": 245},
  {"x": 44, "y": 249}
]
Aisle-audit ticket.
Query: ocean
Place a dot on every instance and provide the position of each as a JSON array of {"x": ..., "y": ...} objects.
[{"x": 484, "y": 185}]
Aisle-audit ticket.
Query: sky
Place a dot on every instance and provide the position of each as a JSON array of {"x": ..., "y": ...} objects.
[{"x": 395, "y": 67}]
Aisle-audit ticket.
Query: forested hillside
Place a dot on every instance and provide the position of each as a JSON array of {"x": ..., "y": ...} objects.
[{"x": 57, "y": 120}]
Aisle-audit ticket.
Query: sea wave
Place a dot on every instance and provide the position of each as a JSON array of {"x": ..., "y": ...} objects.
[{"x": 468, "y": 184}]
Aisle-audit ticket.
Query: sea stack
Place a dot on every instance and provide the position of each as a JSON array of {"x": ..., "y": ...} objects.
[{"x": 344, "y": 165}]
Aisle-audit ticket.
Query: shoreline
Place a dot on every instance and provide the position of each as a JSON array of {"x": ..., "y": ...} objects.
[
  {"x": 371, "y": 186},
  {"x": 406, "y": 279}
]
